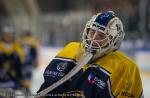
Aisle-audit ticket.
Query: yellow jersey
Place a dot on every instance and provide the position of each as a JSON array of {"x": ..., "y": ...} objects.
[{"x": 111, "y": 76}]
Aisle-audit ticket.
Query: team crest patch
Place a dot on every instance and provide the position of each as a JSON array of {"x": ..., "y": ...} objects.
[{"x": 61, "y": 66}]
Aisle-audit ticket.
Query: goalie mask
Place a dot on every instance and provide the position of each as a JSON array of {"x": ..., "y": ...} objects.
[{"x": 103, "y": 33}]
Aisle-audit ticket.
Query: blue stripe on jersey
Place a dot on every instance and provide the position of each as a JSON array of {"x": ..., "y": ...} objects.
[{"x": 104, "y": 18}]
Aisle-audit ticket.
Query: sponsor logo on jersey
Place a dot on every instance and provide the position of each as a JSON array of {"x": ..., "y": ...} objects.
[
  {"x": 127, "y": 94},
  {"x": 61, "y": 66},
  {"x": 74, "y": 94},
  {"x": 128, "y": 86},
  {"x": 53, "y": 73},
  {"x": 92, "y": 79},
  {"x": 57, "y": 73}
]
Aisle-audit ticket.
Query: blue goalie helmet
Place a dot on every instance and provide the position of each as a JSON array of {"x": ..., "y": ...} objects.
[{"x": 108, "y": 28}]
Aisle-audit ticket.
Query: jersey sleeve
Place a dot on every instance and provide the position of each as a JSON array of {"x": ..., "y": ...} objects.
[
  {"x": 59, "y": 67},
  {"x": 129, "y": 84},
  {"x": 69, "y": 51},
  {"x": 134, "y": 85}
]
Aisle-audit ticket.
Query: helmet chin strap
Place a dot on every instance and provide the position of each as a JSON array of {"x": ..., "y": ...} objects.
[
  {"x": 100, "y": 54},
  {"x": 90, "y": 50}
]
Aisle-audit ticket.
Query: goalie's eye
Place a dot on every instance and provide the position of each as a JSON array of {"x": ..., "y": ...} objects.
[{"x": 92, "y": 34}]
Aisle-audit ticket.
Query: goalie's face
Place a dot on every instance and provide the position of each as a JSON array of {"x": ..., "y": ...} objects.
[
  {"x": 96, "y": 39},
  {"x": 7, "y": 37}
]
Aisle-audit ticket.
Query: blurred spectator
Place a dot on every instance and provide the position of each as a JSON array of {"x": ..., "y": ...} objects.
[
  {"x": 30, "y": 48},
  {"x": 11, "y": 59}
]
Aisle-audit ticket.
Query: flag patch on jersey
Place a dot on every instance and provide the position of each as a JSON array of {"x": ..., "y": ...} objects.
[{"x": 92, "y": 79}]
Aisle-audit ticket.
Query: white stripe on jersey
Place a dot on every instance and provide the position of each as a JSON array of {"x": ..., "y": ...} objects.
[
  {"x": 109, "y": 88},
  {"x": 64, "y": 59}
]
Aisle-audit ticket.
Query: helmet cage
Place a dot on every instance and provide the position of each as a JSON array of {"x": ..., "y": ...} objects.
[{"x": 114, "y": 35}]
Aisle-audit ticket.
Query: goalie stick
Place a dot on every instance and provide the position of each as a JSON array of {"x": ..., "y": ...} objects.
[{"x": 83, "y": 61}]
